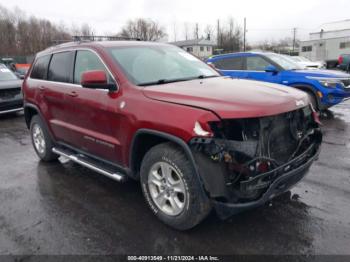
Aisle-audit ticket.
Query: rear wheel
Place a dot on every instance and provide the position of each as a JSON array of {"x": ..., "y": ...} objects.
[
  {"x": 171, "y": 187},
  {"x": 41, "y": 139}
]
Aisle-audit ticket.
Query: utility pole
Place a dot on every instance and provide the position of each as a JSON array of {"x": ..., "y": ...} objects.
[
  {"x": 197, "y": 31},
  {"x": 244, "y": 34},
  {"x": 218, "y": 34},
  {"x": 294, "y": 35}
]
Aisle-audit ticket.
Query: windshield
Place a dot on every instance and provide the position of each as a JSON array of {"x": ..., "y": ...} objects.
[
  {"x": 6, "y": 74},
  {"x": 147, "y": 65},
  {"x": 299, "y": 59},
  {"x": 285, "y": 62}
]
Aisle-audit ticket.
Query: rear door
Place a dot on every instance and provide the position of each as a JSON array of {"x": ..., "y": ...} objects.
[
  {"x": 255, "y": 66},
  {"x": 231, "y": 66},
  {"x": 59, "y": 83}
]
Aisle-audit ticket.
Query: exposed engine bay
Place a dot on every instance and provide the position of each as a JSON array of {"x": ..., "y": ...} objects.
[{"x": 245, "y": 156}]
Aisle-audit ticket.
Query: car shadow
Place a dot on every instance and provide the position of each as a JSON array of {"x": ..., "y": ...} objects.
[{"x": 116, "y": 215}]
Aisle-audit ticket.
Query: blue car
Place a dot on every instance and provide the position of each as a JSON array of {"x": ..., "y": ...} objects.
[{"x": 326, "y": 88}]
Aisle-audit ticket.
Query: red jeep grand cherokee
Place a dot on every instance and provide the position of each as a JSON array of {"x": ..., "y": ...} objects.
[{"x": 154, "y": 113}]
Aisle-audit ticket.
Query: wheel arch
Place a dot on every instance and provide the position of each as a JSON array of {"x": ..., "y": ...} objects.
[
  {"x": 309, "y": 89},
  {"x": 30, "y": 110},
  {"x": 145, "y": 139}
]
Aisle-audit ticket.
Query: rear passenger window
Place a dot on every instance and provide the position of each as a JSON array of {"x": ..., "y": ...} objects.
[
  {"x": 60, "y": 68},
  {"x": 40, "y": 67},
  {"x": 232, "y": 63},
  {"x": 256, "y": 63},
  {"x": 86, "y": 61}
]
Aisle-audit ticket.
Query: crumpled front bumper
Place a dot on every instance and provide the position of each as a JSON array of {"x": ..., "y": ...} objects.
[{"x": 280, "y": 185}]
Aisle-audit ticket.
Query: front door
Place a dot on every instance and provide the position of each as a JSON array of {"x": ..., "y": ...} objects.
[
  {"x": 256, "y": 65},
  {"x": 94, "y": 113}
]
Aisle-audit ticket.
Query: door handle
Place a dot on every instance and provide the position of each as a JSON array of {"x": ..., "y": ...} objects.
[
  {"x": 73, "y": 94},
  {"x": 42, "y": 88}
]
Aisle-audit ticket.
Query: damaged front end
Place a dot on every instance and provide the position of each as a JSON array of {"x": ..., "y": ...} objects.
[{"x": 249, "y": 161}]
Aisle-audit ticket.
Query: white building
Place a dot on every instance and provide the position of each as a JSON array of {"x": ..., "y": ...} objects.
[
  {"x": 201, "y": 48},
  {"x": 328, "y": 42}
]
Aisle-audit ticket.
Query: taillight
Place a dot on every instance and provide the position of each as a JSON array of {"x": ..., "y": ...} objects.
[{"x": 340, "y": 60}]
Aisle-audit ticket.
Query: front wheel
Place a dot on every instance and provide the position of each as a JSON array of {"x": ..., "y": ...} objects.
[{"x": 172, "y": 189}]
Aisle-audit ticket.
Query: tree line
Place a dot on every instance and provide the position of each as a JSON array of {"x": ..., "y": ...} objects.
[{"x": 21, "y": 35}]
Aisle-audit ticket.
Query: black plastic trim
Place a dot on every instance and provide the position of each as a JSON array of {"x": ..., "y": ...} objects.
[{"x": 171, "y": 138}]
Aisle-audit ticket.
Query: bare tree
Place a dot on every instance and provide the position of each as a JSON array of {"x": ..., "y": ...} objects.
[
  {"x": 186, "y": 30},
  {"x": 196, "y": 31},
  {"x": 175, "y": 31},
  {"x": 229, "y": 36},
  {"x": 86, "y": 30},
  {"x": 22, "y": 36},
  {"x": 146, "y": 30},
  {"x": 209, "y": 32}
]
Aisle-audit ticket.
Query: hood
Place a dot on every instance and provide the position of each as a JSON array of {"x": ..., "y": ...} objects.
[
  {"x": 10, "y": 84},
  {"x": 321, "y": 73},
  {"x": 230, "y": 98},
  {"x": 310, "y": 63}
]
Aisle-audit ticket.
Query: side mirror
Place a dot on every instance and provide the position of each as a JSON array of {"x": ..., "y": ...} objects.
[
  {"x": 271, "y": 69},
  {"x": 96, "y": 79}
]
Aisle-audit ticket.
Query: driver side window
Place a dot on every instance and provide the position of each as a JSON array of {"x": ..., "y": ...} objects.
[
  {"x": 256, "y": 63},
  {"x": 87, "y": 61}
]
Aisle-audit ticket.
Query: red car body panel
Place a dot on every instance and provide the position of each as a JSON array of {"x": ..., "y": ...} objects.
[
  {"x": 231, "y": 98},
  {"x": 104, "y": 123}
]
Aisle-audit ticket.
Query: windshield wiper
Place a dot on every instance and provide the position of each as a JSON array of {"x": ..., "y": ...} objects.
[
  {"x": 166, "y": 81},
  {"x": 204, "y": 76},
  {"x": 162, "y": 81}
]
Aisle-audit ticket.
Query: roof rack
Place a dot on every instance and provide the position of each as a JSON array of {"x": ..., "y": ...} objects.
[
  {"x": 92, "y": 38},
  {"x": 83, "y": 38}
]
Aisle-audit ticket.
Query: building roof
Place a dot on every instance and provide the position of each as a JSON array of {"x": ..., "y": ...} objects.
[
  {"x": 194, "y": 42},
  {"x": 333, "y": 26}
]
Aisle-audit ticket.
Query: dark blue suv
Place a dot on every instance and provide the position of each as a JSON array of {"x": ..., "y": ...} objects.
[{"x": 325, "y": 87}]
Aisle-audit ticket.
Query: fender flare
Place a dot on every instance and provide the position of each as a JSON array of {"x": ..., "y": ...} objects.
[
  {"x": 178, "y": 141},
  {"x": 308, "y": 88},
  {"x": 36, "y": 108}
]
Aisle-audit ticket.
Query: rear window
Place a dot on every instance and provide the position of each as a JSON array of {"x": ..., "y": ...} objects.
[
  {"x": 40, "y": 67},
  {"x": 231, "y": 63},
  {"x": 60, "y": 69}
]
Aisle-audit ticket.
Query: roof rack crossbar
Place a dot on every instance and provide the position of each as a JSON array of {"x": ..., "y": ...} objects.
[{"x": 83, "y": 38}]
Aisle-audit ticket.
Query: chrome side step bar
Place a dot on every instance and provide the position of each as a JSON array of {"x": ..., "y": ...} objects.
[
  {"x": 11, "y": 111},
  {"x": 78, "y": 159}
]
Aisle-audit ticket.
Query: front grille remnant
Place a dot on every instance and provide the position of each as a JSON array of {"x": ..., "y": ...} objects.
[
  {"x": 9, "y": 93},
  {"x": 264, "y": 148}
]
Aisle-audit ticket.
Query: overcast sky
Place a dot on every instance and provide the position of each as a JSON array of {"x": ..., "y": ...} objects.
[{"x": 266, "y": 19}]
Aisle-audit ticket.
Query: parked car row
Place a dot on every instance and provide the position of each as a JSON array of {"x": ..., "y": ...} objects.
[
  {"x": 325, "y": 88},
  {"x": 344, "y": 62},
  {"x": 11, "y": 99},
  {"x": 308, "y": 64},
  {"x": 194, "y": 139}
]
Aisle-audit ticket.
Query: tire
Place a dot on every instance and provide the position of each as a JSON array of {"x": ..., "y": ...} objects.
[
  {"x": 41, "y": 140},
  {"x": 194, "y": 205}
]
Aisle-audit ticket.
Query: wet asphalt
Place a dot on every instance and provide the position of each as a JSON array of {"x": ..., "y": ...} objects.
[{"x": 63, "y": 208}]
